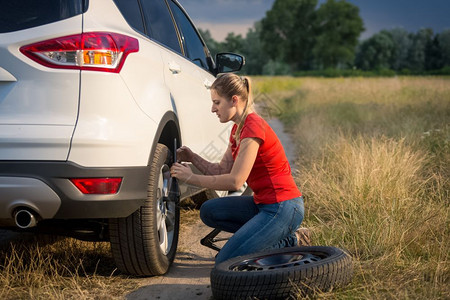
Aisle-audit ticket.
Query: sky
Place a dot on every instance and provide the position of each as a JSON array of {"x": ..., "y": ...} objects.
[{"x": 223, "y": 16}]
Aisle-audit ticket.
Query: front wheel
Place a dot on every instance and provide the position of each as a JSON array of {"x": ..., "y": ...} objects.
[
  {"x": 145, "y": 242},
  {"x": 281, "y": 273}
]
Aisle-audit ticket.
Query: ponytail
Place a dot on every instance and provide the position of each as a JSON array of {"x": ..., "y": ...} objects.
[{"x": 248, "y": 106}]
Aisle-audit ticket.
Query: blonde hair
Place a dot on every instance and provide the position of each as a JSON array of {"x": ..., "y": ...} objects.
[{"x": 227, "y": 85}]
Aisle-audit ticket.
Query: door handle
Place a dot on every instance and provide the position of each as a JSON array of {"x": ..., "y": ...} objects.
[{"x": 174, "y": 68}]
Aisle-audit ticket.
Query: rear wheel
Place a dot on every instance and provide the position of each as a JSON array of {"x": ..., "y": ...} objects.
[{"x": 145, "y": 243}]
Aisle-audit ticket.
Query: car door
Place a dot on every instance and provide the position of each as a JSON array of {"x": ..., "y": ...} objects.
[
  {"x": 199, "y": 66},
  {"x": 188, "y": 80}
]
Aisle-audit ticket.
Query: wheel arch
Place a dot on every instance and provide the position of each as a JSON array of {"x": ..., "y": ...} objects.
[{"x": 168, "y": 130}]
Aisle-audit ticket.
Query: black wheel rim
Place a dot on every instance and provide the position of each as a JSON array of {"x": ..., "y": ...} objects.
[{"x": 277, "y": 261}]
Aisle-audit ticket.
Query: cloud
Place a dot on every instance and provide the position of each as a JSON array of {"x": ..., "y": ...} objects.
[
  {"x": 226, "y": 11},
  {"x": 411, "y": 15}
]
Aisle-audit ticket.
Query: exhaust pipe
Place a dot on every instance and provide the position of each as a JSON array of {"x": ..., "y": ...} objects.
[{"x": 25, "y": 219}]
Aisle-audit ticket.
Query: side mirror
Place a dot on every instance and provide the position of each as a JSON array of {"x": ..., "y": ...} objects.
[{"x": 229, "y": 62}]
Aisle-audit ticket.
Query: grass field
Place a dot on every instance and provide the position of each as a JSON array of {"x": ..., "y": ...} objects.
[{"x": 374, "y": 167}]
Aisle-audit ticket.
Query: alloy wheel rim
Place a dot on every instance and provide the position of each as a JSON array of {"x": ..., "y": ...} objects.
[{"x": 165, "y": 211}]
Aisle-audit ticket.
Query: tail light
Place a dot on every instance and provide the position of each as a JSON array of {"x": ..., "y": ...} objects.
[
  {"x": 96, "y": 51},
  {"x": 97, "y": 185}
]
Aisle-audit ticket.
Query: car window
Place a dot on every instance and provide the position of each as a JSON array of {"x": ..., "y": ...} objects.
[
  {"x": 194, "y": 48},
  {"x": 132, "y": 13},
  {"x": 22, "y": 14},
  {"x": 159, "y": 23}
]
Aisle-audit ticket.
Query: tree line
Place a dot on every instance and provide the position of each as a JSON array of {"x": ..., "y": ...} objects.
[{"x": 298, "y": 36}]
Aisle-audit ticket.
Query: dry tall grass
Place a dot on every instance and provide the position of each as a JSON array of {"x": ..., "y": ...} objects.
[
  {"x": 49, "y": 268},
  {"x": 66, "y": 269},
  {"x": 369, "y": 198},
  {"x": 374, "y": 167}
]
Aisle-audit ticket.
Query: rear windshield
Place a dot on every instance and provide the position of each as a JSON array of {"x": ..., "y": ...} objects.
[{"x": 22, "y": 14}]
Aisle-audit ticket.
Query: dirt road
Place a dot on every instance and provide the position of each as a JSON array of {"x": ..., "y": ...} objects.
[{"x": 188, "y": 277}]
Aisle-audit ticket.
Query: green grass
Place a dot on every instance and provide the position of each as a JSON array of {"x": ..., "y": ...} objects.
[{"x": 374, "y": 167}]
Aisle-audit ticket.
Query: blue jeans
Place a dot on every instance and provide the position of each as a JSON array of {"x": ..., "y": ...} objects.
[{"x": 256, "y": 227}]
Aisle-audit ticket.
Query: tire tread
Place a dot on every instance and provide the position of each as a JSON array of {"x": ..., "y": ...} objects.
[{"x": 134, "y": 239}]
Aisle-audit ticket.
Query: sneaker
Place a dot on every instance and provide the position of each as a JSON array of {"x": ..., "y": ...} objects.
[{"x": 303, "y": 236}]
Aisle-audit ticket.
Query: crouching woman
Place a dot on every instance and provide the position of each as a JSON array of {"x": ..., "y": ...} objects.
[{"x": 268, "y": 219}]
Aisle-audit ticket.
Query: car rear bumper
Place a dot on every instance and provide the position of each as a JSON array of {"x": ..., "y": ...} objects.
[{"x": 44, "y": 187}]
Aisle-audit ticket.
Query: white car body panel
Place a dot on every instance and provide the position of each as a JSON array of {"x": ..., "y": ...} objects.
[
  {"x": 38, "y": 109},
  {"x": 112, "y": 130},
  {"x": 103, "y": 15},
  {"x": 146, "y": 84},
  {"x": 184, "y": 92},
  {"x": 5, "y": 76},
  {"x": 34, "y": 142},
  {"x": 201, "y": 130},
  {"x": 123, "y": 133}
]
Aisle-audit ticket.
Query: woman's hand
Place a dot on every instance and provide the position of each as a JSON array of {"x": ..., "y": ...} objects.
[
  {"x": 184, "y": 154},
  {"x": 181, "y": 171}
]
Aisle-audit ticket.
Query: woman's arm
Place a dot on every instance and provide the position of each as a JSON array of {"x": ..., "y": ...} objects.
[
  {"x": 230, "y": 181},
  {"x": 208, "y": 168}
]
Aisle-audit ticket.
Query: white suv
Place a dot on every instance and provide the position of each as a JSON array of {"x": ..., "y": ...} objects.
[{"x": 94, "y": 97}]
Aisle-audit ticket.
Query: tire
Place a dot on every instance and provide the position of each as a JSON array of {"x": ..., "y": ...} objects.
[
  {"x": 281, "y": 273},
  {"x": 145, "y": 243}
]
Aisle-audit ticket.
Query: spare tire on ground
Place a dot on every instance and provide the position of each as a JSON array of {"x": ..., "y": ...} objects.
[{"x": 281, "y": 273}]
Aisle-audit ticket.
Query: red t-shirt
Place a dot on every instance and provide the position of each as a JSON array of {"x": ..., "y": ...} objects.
[{"x": 270, "y": 178}]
